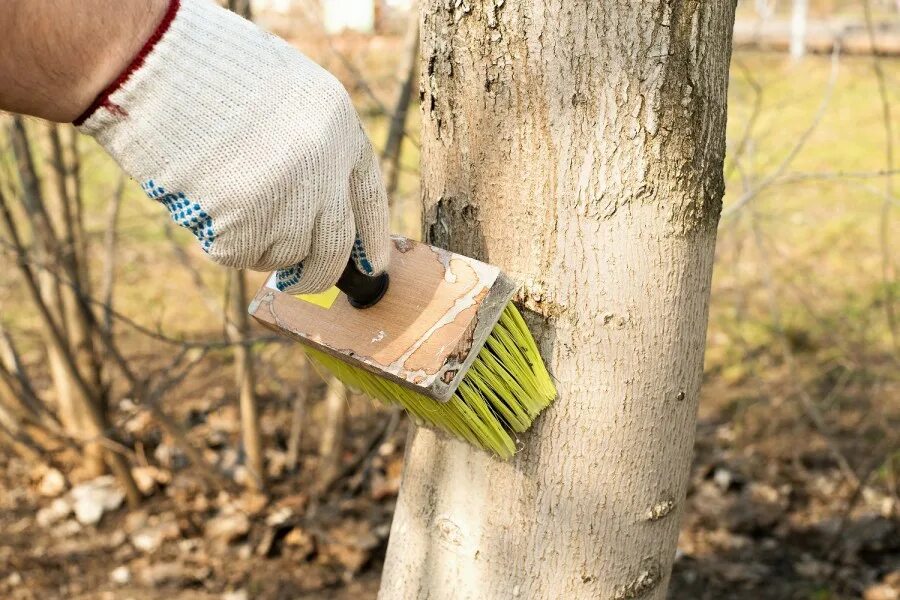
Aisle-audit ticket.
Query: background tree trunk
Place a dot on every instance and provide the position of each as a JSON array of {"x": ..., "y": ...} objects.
[
  {"x": 63, "y": 212},
  {"x": 331, "y": 442},
  {"x": 56, "y": 288},
  {"x": 798, "y": 28},
  {"x": 238, "y": 330},
  {"x": 241, "y": 7},
  {"x": 578, "y": 145}
]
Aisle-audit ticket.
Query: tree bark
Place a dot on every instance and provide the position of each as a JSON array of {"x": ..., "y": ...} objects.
[{"x": 579, "y": 146}]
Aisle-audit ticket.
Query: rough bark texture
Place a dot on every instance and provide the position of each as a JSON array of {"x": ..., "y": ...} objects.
[{"x": 579, "y": 146}]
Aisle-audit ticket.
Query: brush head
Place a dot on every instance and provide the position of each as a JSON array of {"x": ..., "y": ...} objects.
[
  {"x": 501, "y": 394},
  {"x": 423, "y": 335}
]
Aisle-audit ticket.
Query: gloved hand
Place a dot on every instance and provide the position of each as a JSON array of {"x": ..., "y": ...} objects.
[{"x": 250, "y": 145}]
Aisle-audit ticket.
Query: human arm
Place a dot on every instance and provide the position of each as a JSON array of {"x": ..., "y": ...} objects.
[
  {"x": 245, "y": 141},
  {"x": 56, "y": 56}
]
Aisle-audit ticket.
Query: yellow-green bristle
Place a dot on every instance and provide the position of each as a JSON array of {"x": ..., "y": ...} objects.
[{"x": 501, "y": 394}]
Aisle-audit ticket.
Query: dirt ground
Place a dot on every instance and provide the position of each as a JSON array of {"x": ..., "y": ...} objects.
[{"x": 767, "y": 517}]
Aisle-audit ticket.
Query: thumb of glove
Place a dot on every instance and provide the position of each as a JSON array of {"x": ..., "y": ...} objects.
[{"x": 368, "y": 199}]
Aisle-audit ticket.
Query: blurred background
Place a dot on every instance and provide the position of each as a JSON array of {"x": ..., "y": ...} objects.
[{"x": 155, "y": 444}]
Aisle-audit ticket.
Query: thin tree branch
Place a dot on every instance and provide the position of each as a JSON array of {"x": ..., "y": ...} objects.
[
  {"x": 358, "y": 78},
  {"x": 887, "y": 265},
  {"x": 810, "y": 409},
  {"x": 747, "y": 134},
  {"x": 390, "y": 156},
  {"x": 110, "y": 239},
  {"x": 767, "y": 181},
  {"x": 97, "y": 419},
  {"x": 150, "y": 333}
]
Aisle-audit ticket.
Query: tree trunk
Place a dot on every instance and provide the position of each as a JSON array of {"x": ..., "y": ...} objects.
[
  {"x": 298, "y": 419},
  {"x": 241, "y": 7},
  {"x": 331, "y": 442},
  {"x": 78, "y": 331},
  {"x": 245, "y": 376},
  {"x": 88, "y": 420},
  {"x": 798, "y": 29},
  {"x": 238, "y": 329},
  {"x": 579, "y": 146},
  {"x": 59, "y": 297},
  {"x": 764, "y": 9}
]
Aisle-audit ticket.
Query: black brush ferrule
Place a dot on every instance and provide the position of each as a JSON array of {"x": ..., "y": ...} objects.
[{"x": 362, "y": 290}]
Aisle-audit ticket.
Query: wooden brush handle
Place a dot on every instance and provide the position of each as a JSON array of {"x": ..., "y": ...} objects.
[{"x": 362, "y": 290}]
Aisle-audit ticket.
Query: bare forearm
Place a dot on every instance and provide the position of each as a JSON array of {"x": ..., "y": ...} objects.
[{"x": 56, "y": 56}]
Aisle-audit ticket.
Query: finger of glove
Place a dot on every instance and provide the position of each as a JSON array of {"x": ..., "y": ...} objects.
[
  {"x": 371, "y": 248},
  {"x": 332, "y": 241}
]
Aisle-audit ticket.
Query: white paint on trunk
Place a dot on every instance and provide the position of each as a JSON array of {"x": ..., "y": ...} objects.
[
  {"x": 578, "y": 146},
  {"x": 798, "y": 29}
]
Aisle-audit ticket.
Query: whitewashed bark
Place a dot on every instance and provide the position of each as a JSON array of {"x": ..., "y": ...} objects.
[
  {"x": 798, "y": 29},
  {"x": 578, "y": 145},
  {"x": 765, "y": 9}
]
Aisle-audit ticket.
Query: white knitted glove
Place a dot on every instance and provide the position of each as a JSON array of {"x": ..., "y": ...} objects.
[{"x": 250, "y": 145}]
